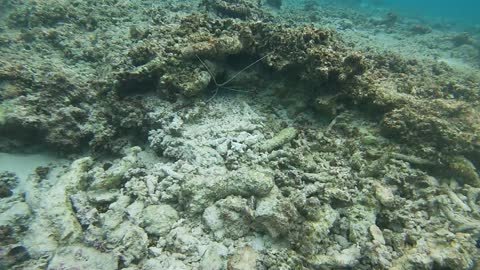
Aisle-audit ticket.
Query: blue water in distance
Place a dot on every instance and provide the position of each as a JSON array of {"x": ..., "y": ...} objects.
[
  {"x": 461, "y": 11},
  {"x": 457, "y": 12}
]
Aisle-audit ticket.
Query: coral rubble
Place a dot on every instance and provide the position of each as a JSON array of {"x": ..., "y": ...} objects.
[{"x": 221, "y": 136}]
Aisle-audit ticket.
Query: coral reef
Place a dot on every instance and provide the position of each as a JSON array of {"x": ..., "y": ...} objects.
[
  {"x": 8, "y": 181},
  {"x": 243, "y": 9},
  {"x": 321, "y": 154}
]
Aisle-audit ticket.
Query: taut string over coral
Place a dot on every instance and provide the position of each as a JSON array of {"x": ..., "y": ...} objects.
[{"x": 225, "y": 83}]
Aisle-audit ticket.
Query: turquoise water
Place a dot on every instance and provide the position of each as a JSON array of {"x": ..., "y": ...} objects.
[
  {"x": 465, "y": 11},
  {"x": 461, "y": 13}
]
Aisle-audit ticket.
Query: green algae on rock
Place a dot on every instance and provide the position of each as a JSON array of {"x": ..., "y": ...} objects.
[
  {"x": 464, "y": 169},
  {"x": 283, "y": 137}
]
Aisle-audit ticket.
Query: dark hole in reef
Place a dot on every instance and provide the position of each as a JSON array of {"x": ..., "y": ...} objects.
[
  {"x": 87, "y": 139},
  {"x": 437, "y": 266},
  {"x": 18, "y": 254},
  {"x": 246, "y": 74},
  {"x": 336, "y": 203},
  {"x": 107, "y": 165},
  {"x": 384, "y": 222},
  {"x": 237, "y": 62},
  {"x": 42, "y": 171},
  {"x": 16, "y": 135},
  {"x": 136, "y": 86},
  {"x": 122, "y": 264},
  {"x": 240, "y": 61},
  {"x": 102, "y": 207},
  {"x": 6, "y": 236},
  {"x": 5, "y": 192}
]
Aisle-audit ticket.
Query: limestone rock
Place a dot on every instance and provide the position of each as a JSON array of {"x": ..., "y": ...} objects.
[
  {"x": 17, "y": 215},
  {"x": 384, "y": 195},
  {"x": 465, "y": 171},
  {"x": 112, "y": 177},
  {"x": 229, "y": 217},
  {"x": 8, "y": 181},
  {"x": 182, "y": 240},
  {"x": 377, "y": 234},
  {"x": 347, "y": 258},
  {"x": 129, "y": 241},
  {"x": 313, "y": 232},
  {"x": 360, "y": 219},
  {"x": 244, "y": 259},
  {"x": 214, "y": 257},
  {"x": 165, "y": 263},
  {"x": 159, "y": 219},
  {"x": 275, "y": 214},
  {"x": 201, "y": 191},
  {"x": 283, "y": 137},
  {"x": 55, "y": 221},
  {"x": 80, "y": 257},
  {"x": 250, "y": 182}
]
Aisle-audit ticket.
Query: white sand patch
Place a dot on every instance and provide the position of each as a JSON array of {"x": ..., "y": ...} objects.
[{"x": 24, "y": 165}]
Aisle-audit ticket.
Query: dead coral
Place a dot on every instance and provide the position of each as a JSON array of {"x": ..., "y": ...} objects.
[
  {"x": 420, "y": 29},
  {"x": 464, "y": 38},
  {"x": 422, "y": 103},
  {"x": 243, "y": 9},
  {"x": 448, "y": 129},
  {"x": 307, "y": 53}
]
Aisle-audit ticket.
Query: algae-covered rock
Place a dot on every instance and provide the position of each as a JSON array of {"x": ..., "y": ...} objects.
[
  {"x": 244, "y": 259},
  {"x": 17, "y": 215},
  {"x": 3, "y": 112},
  {"x": 112, "y": 177},
  {"x": 346, "y": 258},
  {"x": 243, "y": 9},
  {"x": 384, "y": 195},
  {"x": 314, "y": 232},
  {"x": 14, "y": 257},
  {"x": 250, "y": 182},
  {"x": 376, "y": 234},
  {"x": 451, "y": 126},
  {"x": 449, "y": 250},
  {"x": 159, "y": 219},
  {"x": 129, "y": 241},
  {"x": 197, "y": 82},
  {"x": 283, "y": 137},
  {"x": 81, "y": 257},
  {"x": 182, "y": 240},
  {"x": 215, "y": 257},
  {"x": 164, "y": 262},
  {"x": 230, "y": 217},
  {"x": 466, "y": 172},
  {"x": 202, "y": 79},
  {"x": 8, "y": 181},
  {"x": 327, "y": 105},
  {"x": 360, "y": 219},
  {"x": 275, "y": 214},
  {"x": 201, "y": 191}
]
